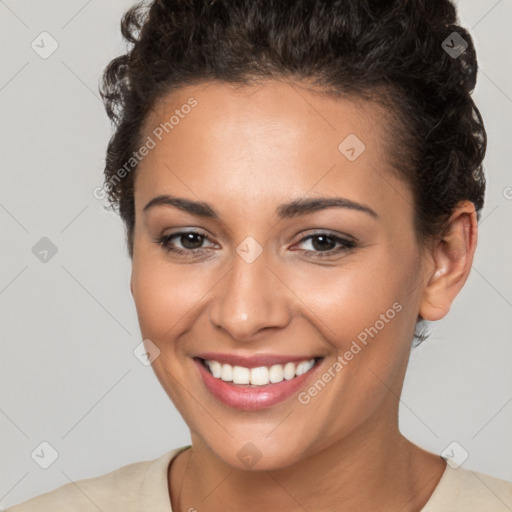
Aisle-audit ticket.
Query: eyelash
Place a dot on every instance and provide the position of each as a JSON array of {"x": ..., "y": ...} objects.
[{"x": 346, "y": 245}]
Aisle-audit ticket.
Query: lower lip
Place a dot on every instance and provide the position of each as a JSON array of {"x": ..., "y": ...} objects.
[{"x": 252, "y": 398}]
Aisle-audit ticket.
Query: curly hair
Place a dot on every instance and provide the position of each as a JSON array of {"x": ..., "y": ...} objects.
[{"x": 393, "y": 52}]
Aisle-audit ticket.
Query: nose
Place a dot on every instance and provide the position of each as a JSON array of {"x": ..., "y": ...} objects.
[{"x": 250, "y": 298}]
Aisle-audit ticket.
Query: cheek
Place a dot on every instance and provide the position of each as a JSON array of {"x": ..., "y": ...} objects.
[
  {"x": 365, "y": 314},
  {"x": 359, "y": 295},
  {"x": 365, "y": 320},
  {"x": 163, "y": 295}
]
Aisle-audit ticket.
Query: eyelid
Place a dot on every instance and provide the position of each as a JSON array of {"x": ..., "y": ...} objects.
[
  {"x": 303, "y": 235},
  {"x": 344, "y": 242},
  {"x": 326, "y": 232},
  {"x": 184, "y": 231}
]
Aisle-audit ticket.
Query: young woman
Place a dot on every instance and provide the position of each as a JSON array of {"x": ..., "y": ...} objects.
[{"x": 300, "y": 183}]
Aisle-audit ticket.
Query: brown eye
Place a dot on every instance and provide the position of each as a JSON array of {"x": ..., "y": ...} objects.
[
  {"x": 190, "y": 240},
  {"x": 324, "y": 244},
  {"x": 191, "y": 243}
]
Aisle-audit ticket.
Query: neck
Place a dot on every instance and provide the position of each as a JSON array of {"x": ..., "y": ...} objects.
[{"x": 371, "y": 468}]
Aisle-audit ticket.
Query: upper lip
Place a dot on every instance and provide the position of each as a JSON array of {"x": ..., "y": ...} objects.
[{"x": 254, "y": 361}]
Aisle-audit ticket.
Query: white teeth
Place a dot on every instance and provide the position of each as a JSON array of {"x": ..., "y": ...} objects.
[
  {"x": 289, "y": 371},
  {"x": 302, "y": 368},
  {"x": 241, "y": 375},
  {"x": 215, "y": 368},
  {"x": 261, "y": 375},
  {"x": 226, "y": 372},
  {"x": 275, "y": 373}
]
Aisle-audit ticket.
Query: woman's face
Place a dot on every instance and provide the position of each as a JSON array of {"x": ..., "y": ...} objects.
[{"x": 254, "y": 280}]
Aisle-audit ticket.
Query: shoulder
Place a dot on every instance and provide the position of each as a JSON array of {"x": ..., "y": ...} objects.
[
  {"x": 470, "y": 491},
  {"x": 126, "y": 488}
]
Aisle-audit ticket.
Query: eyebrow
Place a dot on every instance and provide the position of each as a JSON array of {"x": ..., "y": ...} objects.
[{"x": 289, "y": 210}]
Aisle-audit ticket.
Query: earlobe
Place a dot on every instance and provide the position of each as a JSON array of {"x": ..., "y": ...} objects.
[{"x": 452, "y": 258}]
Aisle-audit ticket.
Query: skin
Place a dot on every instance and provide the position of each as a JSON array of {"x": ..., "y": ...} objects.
[{"x": 246, "y": 150}]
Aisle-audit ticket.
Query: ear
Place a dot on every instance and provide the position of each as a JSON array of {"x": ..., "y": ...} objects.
[
  {"x": 450, "y": 262},
  {"x": 131, "y": 282}
]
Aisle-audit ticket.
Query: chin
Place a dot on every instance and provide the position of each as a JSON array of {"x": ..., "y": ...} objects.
[
  {"x": 260, "y": 458},
  {"x": 256, "y": 453}
]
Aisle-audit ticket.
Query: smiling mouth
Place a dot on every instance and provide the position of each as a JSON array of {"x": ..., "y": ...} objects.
[{"x": 258, "y": 376}]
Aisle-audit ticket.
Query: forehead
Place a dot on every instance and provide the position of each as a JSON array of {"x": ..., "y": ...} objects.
[{"x": 254, "y": 145}]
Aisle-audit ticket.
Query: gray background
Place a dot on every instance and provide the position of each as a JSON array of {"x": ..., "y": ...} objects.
[{"x": 68, "y": 375}]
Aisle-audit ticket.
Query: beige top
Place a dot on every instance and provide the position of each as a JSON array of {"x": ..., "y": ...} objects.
[{"x": 143, "y": 486}]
